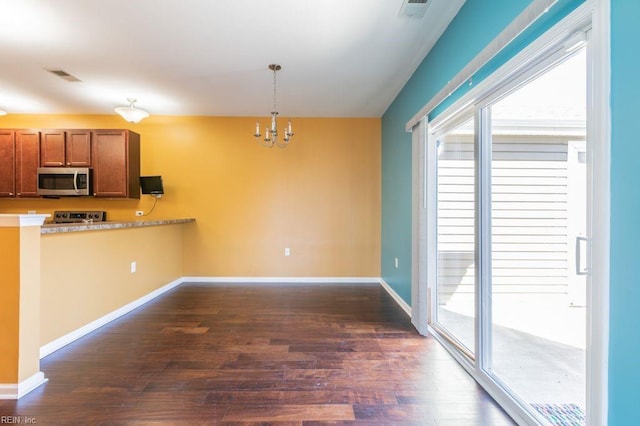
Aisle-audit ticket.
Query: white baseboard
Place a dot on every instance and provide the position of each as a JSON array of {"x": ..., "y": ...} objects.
[
  {"x": 18, "y": 390},
  {"x": 282, "y": 280},
  {"x": 405, "y": 307},
  {"x": 60, "y": 342}
]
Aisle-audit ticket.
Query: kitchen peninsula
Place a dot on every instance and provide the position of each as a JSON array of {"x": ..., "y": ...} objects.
[
  {"x": 65, "y": 280},
  {"x": 55, "y": 228}
]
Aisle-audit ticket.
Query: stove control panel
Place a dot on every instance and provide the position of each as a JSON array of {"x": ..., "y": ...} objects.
[{"x": 63, "y": 216}]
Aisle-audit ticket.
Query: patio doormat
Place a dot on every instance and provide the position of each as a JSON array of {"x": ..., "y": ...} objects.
[{"x": 562, "y": 414}]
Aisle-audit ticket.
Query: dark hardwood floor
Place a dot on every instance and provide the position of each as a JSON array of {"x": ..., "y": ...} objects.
[{"x": 258, "y": 354}]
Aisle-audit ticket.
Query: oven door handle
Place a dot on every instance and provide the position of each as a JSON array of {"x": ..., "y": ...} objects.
[{"x": 75, "y": 181}]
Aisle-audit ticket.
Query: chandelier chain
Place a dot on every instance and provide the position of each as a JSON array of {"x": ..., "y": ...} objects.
[{"x": 274, "y": 91}]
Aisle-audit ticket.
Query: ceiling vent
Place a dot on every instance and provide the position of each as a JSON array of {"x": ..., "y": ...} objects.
[
  {"x": 414, "y": 8},
  {"x": 62, "y": 74}
]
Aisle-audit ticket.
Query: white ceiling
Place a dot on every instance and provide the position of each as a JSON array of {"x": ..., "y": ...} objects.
[{"x": 340, "y": 58}]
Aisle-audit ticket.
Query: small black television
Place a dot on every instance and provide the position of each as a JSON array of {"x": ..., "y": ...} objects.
[{"x": 151, "y": 185}]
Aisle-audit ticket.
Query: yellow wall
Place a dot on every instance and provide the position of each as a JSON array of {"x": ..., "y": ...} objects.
[
  {"x": 320, "y": 196},
  {"x": 9, "y": 304},
  {"x": 86, "y": 275},
  {"x": 19, "y": 303},
  {"x": 30, "y": 315}
]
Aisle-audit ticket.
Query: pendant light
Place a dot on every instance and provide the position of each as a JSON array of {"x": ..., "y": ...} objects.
[{"x": 131, "y": 113}]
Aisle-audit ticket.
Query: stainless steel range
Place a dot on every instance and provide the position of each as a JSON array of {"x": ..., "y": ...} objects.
[{"x": 64, "y": 216}]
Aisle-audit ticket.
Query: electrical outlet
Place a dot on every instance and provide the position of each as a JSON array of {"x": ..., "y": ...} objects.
[
  {"x": 139, "y": 213},
  {"x": 134, "y": 267},
  {"x": 396, "y": 262},
  {"x": 287, "y": 252}
]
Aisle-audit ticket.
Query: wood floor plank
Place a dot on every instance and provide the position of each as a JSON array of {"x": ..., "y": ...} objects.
[
  {"x": 291, "y": 397},
  {"x": 289, "y": 354},
  {"x": 394, "y": 413},
  {"x": 286, "y": 412},
  {"x": 183, "y": 329}
]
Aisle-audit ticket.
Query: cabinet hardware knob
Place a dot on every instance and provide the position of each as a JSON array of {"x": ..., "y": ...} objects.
[
  {"x": 11, "y": 193},
  {"x": 19, "y": 194},
  {"x": 60, "y": 163},
  {"x": 68, "y": 164}
]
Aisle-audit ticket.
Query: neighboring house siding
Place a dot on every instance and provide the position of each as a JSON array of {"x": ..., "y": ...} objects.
[{"x": 530, "y": 242}]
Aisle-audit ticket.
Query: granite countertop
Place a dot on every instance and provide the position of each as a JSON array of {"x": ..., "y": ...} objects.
[{"x": 55, "y": 228}]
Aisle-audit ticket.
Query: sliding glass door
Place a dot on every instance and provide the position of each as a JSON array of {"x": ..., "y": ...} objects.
[
  {"x": 513, "y": 235},
  {"x": 539, "y": 236},
  {"x": 456, "y": 231}
]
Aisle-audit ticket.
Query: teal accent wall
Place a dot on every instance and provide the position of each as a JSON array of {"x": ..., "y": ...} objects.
[
  {"x": 396, "y": 208},
  {"x": 471, "y": 30},
  {"x": 561, "y": 9},
  {"x": 624, "y": 347},
  {"x": 477, "y": 23}
]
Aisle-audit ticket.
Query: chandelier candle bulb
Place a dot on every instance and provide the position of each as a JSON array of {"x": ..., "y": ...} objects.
[{"x": 257, "y": 129}]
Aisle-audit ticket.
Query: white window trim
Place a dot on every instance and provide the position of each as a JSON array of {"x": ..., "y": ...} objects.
[
  {"x": 522, "y": 21},
  {"x": 600, "y": 129},
  {"x": 562, "y": 31},
  {"x": 594, "y": 13},
  {"x": 419, "y": 291}
]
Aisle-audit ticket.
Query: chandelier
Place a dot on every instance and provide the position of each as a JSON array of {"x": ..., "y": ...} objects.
[{"x": 271, "y": 133}]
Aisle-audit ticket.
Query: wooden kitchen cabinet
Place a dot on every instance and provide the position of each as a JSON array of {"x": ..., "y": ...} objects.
[
  {"x": 65, "y": 148},
  {"x": 19, "y": 162},
  {"x": 7, "y": 163},
  {"x": 116, "y": 163},
  {"x": 27, "y": 163},
  {"x": 113, "y": 155}
]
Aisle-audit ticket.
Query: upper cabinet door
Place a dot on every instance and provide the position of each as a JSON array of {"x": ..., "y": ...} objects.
[
  {"x": 78, "y": 152},
  {"x": 116, "y": 164},
  {"x": 52, "y": 148},
  {"x": 7, "y": 163},
  {"x": 27, "y": 162},
  {"x": 70, "y": 148}
]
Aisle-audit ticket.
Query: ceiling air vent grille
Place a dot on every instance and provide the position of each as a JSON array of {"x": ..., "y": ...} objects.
[
  {"x": 62, "y": 74},
  {"x": 414, "y": 8}
]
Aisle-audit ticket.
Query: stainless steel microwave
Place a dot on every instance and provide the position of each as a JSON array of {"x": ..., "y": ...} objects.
[{"x": 64, "y": 181}]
